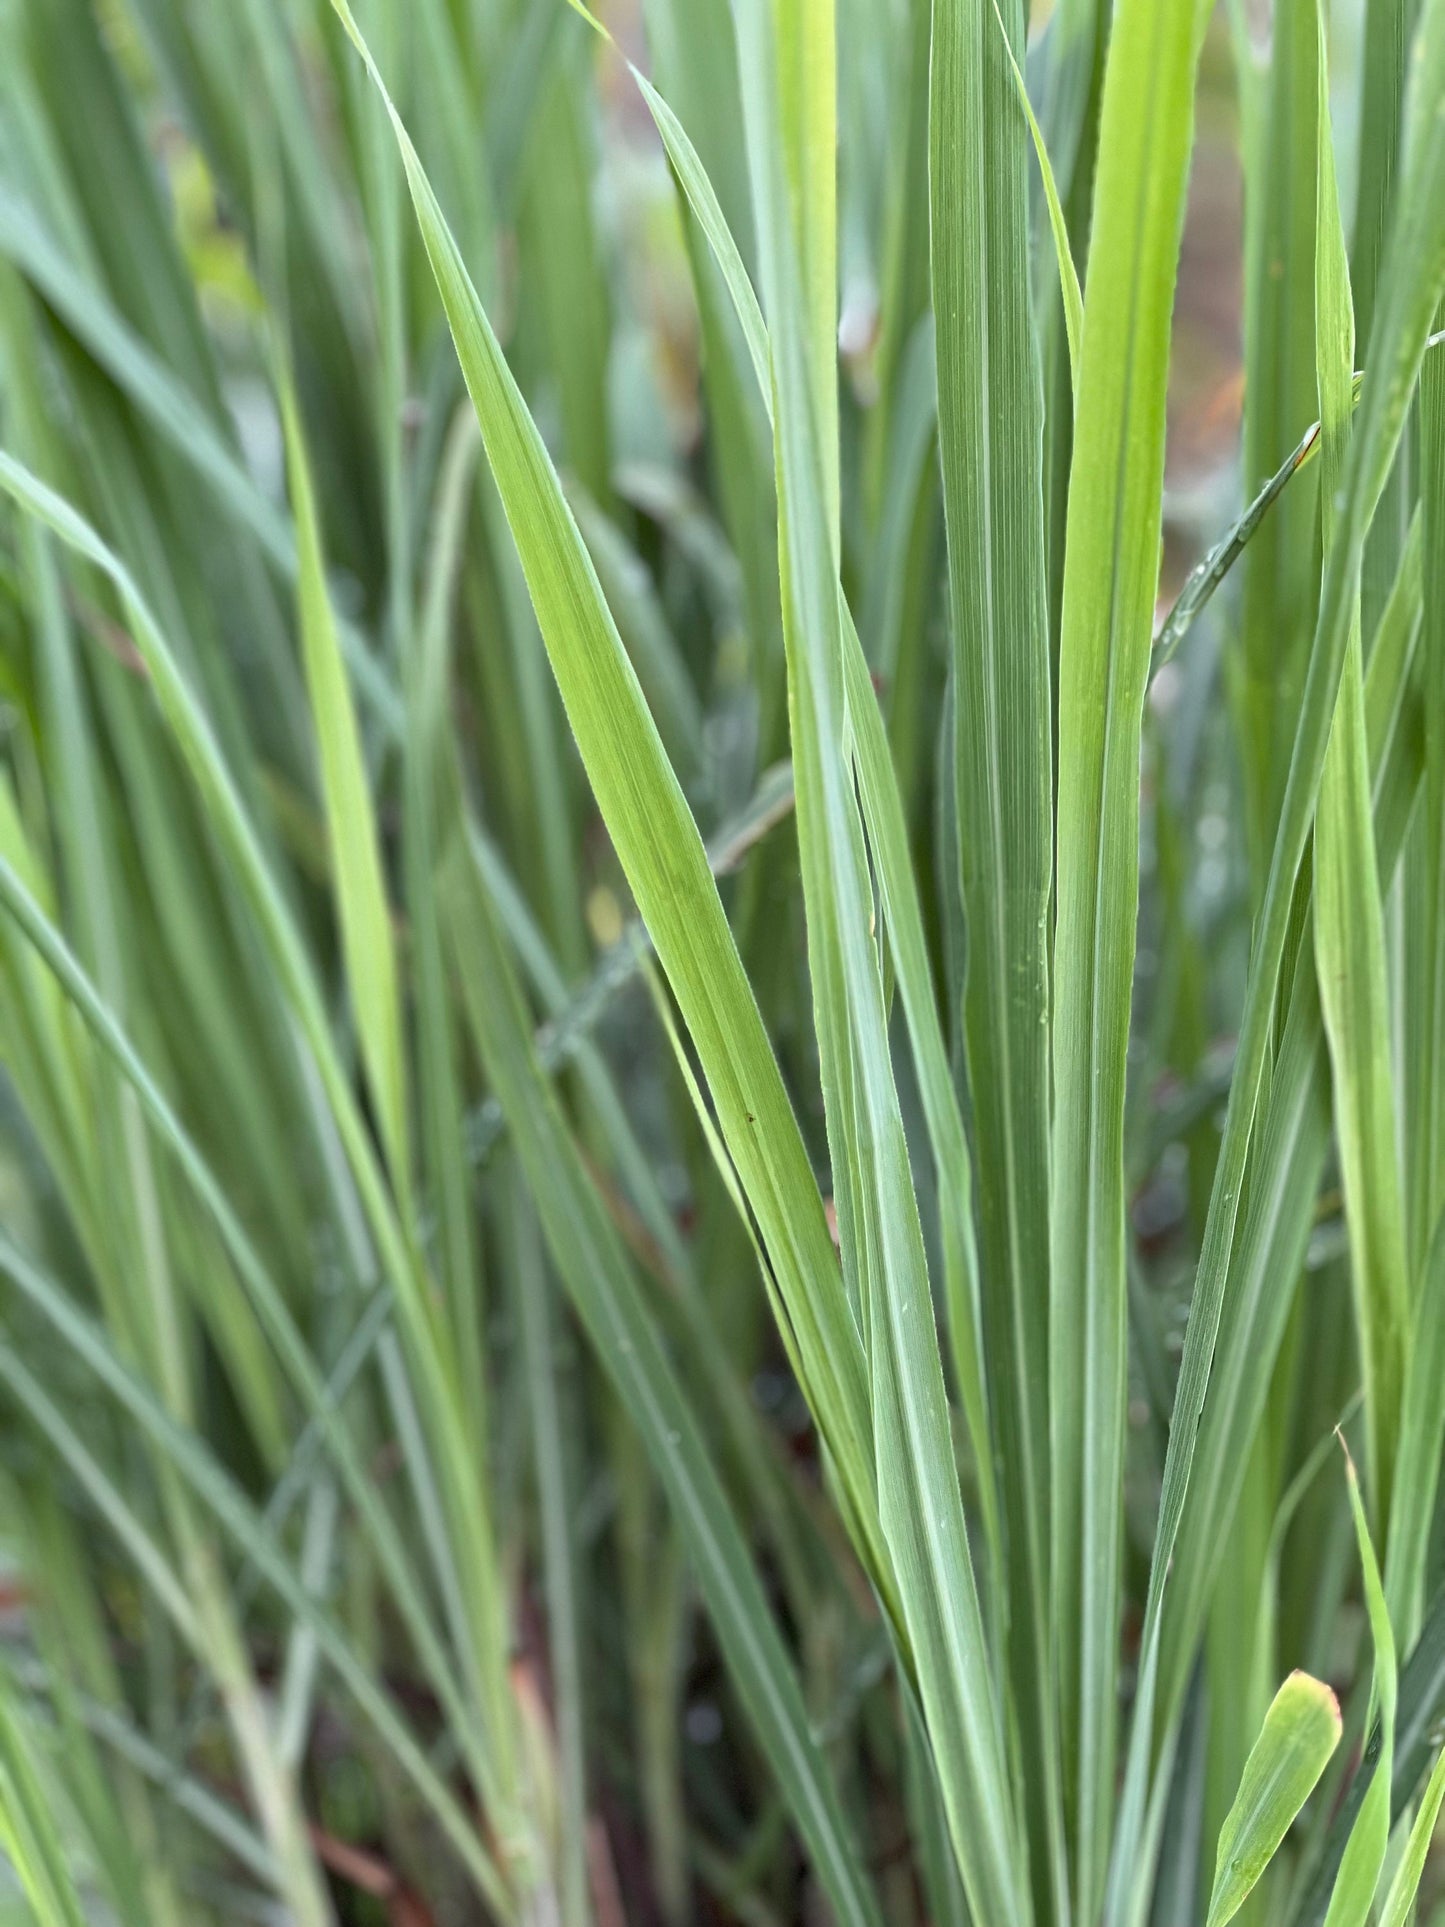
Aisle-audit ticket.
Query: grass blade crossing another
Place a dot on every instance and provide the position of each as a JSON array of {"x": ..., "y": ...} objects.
[
  {"x": 591, "y": 1262},
  {"x": 1349, "y": 925}
]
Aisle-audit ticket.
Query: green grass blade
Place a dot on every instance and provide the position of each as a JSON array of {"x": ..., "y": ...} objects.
[
  {"x": 1281, "y": 571},
  {"x": 1399, "y": 1901},
  {"x": 1364, "y": 1857},
  {"x": 1422, "y": 1432},
  {"x": 1383, "y": 67},
  {"x": 661, "y": 668},
  {"x": 990, "y": 442},
  {"x": 707, "y": 210},
  {"x": 1349, "y": 925},
  {"x": 1110, "y": 576},
  {"x": 1425, "y": 1089},
  {"x": 1300, "y": 1733},
  {"x": 903, "y": 919},
  {"x": 807, "y": 88},
  {"x": 440, "y": 1119},
  {"x": 694, "y": 63},
  {"x": 1384, "y": 64},
  {"x": 416, "y": 1588},
  {"x": 359, "y": 890},
  {"x": 538, "y": 1321},
  {"x": 1071, "y": 294},
  {"x": 568, "y": 304}
]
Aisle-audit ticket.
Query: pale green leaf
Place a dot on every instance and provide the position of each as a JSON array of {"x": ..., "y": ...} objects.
[
  {"x": 1301, "y": 1731},
  {"x": 1364, "y": 1857},
  {"x": 359, "y": 888}
]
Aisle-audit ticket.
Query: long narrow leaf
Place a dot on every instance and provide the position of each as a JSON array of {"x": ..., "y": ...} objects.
[
  {"x": 360, "y": 892},
  {"x": 1349, "y": 926},
  {"x": 1369, "y": 1840},
  {"x": 1404, "y": 1888},
  {"x": 991, "y": 445},
  {"x": 1110, "y": 575}
]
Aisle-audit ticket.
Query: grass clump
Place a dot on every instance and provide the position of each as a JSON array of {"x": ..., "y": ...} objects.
[{"x": 707, "y": 1116}]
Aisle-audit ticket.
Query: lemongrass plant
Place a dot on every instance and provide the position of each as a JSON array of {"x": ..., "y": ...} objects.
[{"x": 714, "y": 1152}]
